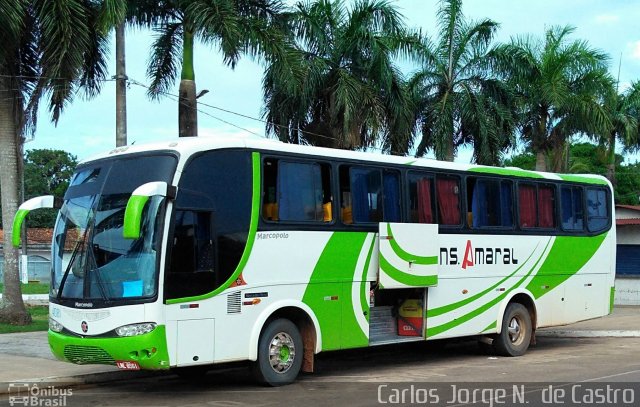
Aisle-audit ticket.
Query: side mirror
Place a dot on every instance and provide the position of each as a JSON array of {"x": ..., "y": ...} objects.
[
  {"x": 135, "y": 206},
  {"x": 45, "y": 201}
]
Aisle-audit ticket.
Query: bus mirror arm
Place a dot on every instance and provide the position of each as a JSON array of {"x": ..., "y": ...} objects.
[
  {"x": 45, "y": 201},
  {"x": 136, "y": 203}
]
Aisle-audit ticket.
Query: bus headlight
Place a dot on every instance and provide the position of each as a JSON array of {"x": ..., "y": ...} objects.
[
  {"x": 136, "y": 329},
  {"x": 54, "y": 325}
]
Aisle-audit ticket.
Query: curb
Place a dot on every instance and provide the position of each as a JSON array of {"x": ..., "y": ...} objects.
[
  {"x": 588, "y": 334},
  {"x": 83, "y": 379}
]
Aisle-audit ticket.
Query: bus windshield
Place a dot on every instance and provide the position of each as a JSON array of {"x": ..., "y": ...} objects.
[{"x": 91, "y": 258}]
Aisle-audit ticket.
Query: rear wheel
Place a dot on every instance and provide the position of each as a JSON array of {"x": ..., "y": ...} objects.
[
  {"x": 515, "y": 336},
  {"x": 279, "y": 353}
]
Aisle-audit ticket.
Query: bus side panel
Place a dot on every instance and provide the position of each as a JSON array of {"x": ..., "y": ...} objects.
[
  {"x": 477, "y": 274},
  {"x": 575, "y": 271},
  {"x": 453, "y": 319}
]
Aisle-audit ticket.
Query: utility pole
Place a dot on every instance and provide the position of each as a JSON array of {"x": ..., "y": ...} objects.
[{"x": 121, "y": 89}]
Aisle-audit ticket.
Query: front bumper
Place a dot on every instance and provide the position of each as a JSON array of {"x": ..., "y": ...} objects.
[{"x": 148, "y": 350}]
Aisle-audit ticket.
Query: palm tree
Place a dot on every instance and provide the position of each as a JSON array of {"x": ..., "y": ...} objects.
[
  {"x": 237, "y": 27},
  {"x": 113, "y": 15},
  {"x": 561, "y": 84},
  {"x": 460, "y": 100},
  {"x": 48, "y": 49},
  {"x": 341, "y": 88},
  {"x": 624, "y": 111}
]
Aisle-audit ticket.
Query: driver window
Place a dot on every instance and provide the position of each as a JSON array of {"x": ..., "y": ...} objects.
[{"x": 192, "y": 255}]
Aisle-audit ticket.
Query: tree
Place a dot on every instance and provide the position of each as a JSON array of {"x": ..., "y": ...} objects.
[
  {"x": 47, "y": 172},
  {"x": 461, "y": 101},
  {"x": 588, "y": 158},
  {"x": 341, "y": 88},
  {"x": 584, "y": 158},
  {"x": 624, "y": 115},
  {"x": 48, "y": 49},
  {"x": 561, "y": 84},
  {"x": 237, "y": 27},
  {"x": 627, "y": 189}
]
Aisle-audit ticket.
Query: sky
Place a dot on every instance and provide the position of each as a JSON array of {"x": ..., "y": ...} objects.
[{"x": 87, "y": 127}]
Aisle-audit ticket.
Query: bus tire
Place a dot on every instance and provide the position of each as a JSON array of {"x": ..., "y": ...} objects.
[
  {"x": 280, "y": 353},
  {"x": 515, "y": 335}
]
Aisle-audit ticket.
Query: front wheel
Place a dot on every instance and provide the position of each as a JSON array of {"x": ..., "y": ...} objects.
[
  {"x": 279, "y": 353},
  {"x": 515, "y": 336}
]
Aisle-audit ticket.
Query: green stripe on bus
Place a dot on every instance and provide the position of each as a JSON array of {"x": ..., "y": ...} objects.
[
  {"x": 585, "y": 180},
  {"x": 328, "y": 293},
  {"x": 491, "y": 327},
  {"x": 406, "y": 256},
  {"x": 451, "y": 307},
  {"x": 400, "y": 276},
  {"x": 253, "y": 227},
  {"x": 566, "y": 257},
  {"x": 516, "y": 172}
]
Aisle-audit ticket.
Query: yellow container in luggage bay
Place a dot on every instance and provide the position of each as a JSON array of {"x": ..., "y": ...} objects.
[{"x": 410, "y": 317}]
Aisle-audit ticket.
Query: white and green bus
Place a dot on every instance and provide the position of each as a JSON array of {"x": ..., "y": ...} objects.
[{"x": 203, "y": 251}]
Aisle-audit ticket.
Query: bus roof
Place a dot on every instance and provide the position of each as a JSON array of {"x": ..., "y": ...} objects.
[{"x": 188, "y": 146}]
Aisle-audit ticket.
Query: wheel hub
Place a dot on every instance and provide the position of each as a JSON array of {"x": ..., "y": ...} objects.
[
  {"x": 515, "y": 331},
  {"x": 282, "y": 352}
]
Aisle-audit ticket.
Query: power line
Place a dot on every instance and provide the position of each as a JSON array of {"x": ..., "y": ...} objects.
[{"x": 134, "y": 82}]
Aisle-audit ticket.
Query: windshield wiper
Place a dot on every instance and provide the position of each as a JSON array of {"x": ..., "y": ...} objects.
[
  {"x": 95, "y": 271},
  {"x": 74, "y": 254}
]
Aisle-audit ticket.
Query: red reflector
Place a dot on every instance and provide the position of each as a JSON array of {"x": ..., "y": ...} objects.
[
  {"x": 194, "y": 305},
  {"x": 127, "y": 365}
]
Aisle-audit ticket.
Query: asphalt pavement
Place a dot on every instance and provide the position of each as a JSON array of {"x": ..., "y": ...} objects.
[{"x": 25, "y": 357}]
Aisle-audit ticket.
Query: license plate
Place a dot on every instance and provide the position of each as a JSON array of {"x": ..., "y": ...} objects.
[{"x": 127, "y": 365}]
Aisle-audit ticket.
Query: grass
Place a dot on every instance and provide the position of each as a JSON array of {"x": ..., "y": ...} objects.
[
  {"x": 40, "y": 321},
  {"x": 31, "y": 288}
]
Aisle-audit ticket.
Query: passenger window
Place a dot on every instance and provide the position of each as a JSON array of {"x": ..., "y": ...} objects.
[
  {"x": 421, "y": 203},
  {"x": 571, "y": 208},
  {"x": 536, "y": 205},
  {"x": 369, "y": 195},
  {"x": 296, "y": 191},
  {"x": 597, "y": 213},
  {"x": 491, "y": 203},
  {"x": 448, "y": 199},
  {"x": 391, "y": 190}
]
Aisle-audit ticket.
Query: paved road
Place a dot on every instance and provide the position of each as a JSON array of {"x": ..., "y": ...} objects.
[{"x": 354, "y": 378}]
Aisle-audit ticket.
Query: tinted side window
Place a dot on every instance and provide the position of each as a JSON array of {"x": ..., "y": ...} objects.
[
  {"x": 192, "y": 255},
  {"x": 296, "y": 191},
  {"x": 421, "y": 202},
  {"x": 597, "y": 209},
  {"x": 211, "y": 218},
  {"x": 491, "y": 203},
  {"x": 571, "y": 208},
  {"x": 448, "y": 200},
  {"x": 536, "y": 205},
  {"x": 369, "y": 195}
]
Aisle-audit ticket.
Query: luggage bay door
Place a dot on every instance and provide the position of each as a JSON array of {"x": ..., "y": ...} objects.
[{"x": 408, "y": 255}]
